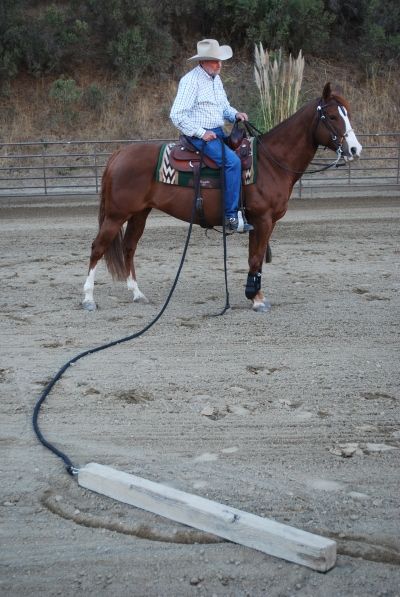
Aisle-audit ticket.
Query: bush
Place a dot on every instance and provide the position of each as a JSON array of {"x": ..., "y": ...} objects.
[
  {"x": 65, "y": 91},
  {"x": 136, "y": 35},
  {"x": 290, "y": 24},
  {"x": 128, "y": 54},
  {"x": 47, "y": 43},
  {"x": 10, "y": 56},
  {"x": 66, "y": 94},
  {"x": 51, "y": 41},
  {"x": 10, "y": 39},
  {"x": 94, "y": 97},
  {"x": 380, "y": 39},
  {"x": 139, "y": 37}
]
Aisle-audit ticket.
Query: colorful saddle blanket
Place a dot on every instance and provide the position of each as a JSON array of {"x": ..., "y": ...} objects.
[{"x": 210, "y": 178}]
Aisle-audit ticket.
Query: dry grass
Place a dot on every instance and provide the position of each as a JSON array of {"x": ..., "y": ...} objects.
[
  {"x": 375, "y": 105},
  {"x": 279, "y": 82},
  {"x": 27, "y": 113}
]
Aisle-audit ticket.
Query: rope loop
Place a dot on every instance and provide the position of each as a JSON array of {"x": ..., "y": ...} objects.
[{"x": 70, "y": 467}]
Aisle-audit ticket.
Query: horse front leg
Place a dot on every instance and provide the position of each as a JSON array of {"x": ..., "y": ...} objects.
[{"x": 258, "y": 244}]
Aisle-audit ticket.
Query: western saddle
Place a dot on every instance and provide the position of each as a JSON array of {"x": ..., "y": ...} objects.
[{"x": 186, "y": 158}]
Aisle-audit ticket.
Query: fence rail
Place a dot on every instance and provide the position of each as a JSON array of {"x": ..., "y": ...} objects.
[{"x": 75, "y": 167}]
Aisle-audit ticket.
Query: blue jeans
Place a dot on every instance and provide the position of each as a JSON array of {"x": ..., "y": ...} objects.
[{"x": 233, "y": 169}]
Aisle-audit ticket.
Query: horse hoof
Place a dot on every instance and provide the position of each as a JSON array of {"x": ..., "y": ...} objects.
[
  {"x": 141, "y": 298},
  {"x": 263, "y": 307},
  {"x": 89, "y": 305}
]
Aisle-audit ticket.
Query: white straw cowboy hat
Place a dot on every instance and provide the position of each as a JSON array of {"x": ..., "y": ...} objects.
[{"x": 209, "y": 49}]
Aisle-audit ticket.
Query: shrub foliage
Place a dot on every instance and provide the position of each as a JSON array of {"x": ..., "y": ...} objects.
[{"x": 133, "y": 38}]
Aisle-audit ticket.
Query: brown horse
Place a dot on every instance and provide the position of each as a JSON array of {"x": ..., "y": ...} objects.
[{"x": 129, "y": 191}]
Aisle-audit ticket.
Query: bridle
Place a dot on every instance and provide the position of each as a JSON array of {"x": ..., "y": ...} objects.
[{"x": 323, "y": 118}]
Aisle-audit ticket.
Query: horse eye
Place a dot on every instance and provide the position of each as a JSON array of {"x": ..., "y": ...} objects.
[{"x": 332, "y": 117}]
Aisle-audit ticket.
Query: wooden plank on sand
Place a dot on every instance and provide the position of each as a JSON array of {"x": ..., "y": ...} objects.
[{"x": 241, "y": 527}]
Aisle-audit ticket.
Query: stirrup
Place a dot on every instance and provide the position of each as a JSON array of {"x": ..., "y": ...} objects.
[{"x": 238, "y": 224}]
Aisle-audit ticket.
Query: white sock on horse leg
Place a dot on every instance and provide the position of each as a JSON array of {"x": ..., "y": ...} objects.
[
  {"x": 132, "y": 285},
  {"x": 89, "y": 286}
]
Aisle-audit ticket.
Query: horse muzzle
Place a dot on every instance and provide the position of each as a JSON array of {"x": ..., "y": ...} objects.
[{"x": 351, "y": 148}]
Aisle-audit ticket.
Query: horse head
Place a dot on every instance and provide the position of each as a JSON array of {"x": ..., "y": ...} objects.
[{"x": 333, "y": 127}]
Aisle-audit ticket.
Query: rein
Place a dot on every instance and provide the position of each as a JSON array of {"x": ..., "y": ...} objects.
[{"x": 254, "y": 131}]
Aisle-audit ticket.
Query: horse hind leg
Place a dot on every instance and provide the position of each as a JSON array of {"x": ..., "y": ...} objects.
[
  {"x": 88, "y": 302},
  {"x": 107, "y": 233},
  {"x": 133, "y": 233}
]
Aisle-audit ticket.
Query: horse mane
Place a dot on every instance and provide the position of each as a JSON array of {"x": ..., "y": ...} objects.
[
  {"x": 284, "y": 123},
  {"x": 341, "y": 100}
]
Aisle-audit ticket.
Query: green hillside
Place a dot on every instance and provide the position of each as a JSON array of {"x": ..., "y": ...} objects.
[{"x": 110, "y": 69}]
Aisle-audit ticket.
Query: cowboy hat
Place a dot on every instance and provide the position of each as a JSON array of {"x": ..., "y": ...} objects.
[{"x": 209, "y": 49}]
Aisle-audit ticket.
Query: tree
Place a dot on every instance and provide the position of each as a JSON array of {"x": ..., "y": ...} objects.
[
  {"x": 10, "y": 39},
  {"x": 380, "y": 38}
]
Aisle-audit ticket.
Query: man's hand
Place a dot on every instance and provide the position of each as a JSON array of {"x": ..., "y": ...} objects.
[
  {"x": 241, "y": 116},
  {"x": 209, "y": 136}
]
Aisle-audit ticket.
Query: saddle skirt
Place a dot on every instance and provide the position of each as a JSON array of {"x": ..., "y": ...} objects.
[{"x": 176, "y": 165}]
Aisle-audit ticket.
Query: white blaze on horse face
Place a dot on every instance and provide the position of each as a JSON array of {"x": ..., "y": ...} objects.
[{"x": 353, "y": 144}]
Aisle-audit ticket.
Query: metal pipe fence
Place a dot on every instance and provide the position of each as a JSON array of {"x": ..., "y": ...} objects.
[{"x": 75, "y": 167}]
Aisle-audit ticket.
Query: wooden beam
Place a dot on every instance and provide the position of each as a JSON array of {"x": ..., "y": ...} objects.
[{"x": 241, "y": 527}]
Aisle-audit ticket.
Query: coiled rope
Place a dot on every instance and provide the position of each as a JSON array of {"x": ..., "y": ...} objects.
[{"x": 70, "y": 467}]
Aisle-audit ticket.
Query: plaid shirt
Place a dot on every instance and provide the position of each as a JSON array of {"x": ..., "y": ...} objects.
[{"x": 200, "y": 104}]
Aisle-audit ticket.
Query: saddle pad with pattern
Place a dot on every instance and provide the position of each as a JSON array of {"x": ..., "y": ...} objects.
[{"x": 209, "y": 178}]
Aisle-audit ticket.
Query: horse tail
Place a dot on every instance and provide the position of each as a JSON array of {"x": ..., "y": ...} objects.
[{"x": 114, "y": 254}]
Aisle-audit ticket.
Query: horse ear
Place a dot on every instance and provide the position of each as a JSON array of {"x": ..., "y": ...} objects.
[{"x": 327, "y": 92}]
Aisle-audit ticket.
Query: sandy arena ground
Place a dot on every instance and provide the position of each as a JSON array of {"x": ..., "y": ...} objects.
[{"x": 292, "y": 415}]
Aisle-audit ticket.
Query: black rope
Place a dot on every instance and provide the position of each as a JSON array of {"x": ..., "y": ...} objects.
[
  {"x": 70, "y": 467},
  {"x": 227, "y": 305}
]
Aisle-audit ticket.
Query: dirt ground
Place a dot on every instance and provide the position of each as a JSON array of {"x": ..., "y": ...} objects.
[{"x": 292, "y": 414}]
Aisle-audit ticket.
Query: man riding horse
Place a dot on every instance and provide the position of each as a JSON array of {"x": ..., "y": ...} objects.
[{"x": 199, "y": 112}]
